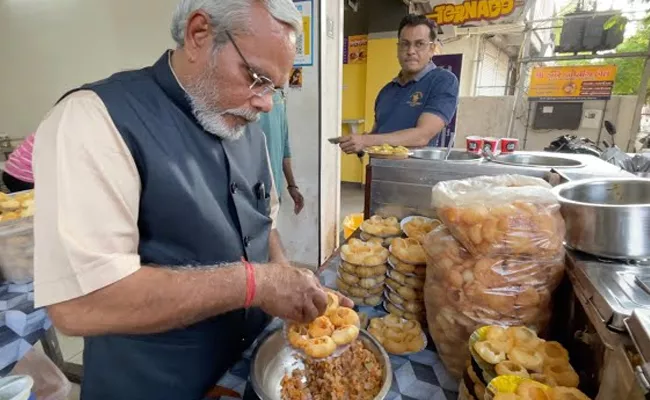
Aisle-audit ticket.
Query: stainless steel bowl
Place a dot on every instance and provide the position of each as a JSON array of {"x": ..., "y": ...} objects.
[
  {"x": 533, "y": 160},
  {"x": 608, "y": 217},
  {"x": 273, "y": 358},
  {"x": 438, "y": 154}
]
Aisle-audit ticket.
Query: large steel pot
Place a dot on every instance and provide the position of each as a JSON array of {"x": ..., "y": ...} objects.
[{"x": 608, "y": 217}]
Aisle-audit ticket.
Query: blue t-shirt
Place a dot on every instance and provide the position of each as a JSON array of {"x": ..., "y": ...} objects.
[
  {"x": 399, "y": 106},
  {"x": 275, "y": 127}
]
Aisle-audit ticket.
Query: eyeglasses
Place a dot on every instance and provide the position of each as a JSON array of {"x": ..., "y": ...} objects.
[
  {"x": 420, "y": 45},
  {"x": 261, "y": 85}
]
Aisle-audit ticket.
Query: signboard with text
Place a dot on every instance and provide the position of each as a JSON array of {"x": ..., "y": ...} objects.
[
  {"x": 355, "y": 49},
  {"x": 582, "y": 82},
  {"x": 304, "y": 45},
  {"x": 470, "y": 13}
]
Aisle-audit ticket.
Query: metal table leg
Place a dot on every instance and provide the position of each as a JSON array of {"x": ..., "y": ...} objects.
[{"x": 50, "y": 342}]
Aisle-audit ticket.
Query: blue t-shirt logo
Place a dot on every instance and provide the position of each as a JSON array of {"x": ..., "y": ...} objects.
[{"x": 415, "y": 99}]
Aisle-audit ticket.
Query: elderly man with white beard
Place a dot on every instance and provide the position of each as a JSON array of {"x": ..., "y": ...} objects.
[{"x": 154, "y": 234}]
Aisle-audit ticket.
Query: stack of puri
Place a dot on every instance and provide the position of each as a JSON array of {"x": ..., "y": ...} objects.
[
  {"x": 405, "y": 282},
  {"x": 397, "y": 335},
  {"x": 380, "y": 230},
  {"x": 362, "y": 272},
  {"x": 419, "y": 227}
]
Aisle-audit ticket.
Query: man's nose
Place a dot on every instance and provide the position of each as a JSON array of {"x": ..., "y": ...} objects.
[{"x": 263, "y": 103}]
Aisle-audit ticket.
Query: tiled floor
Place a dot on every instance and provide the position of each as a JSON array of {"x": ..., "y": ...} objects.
[
  {"x": 72, "y": 347},
  {"x": 75, "y": 393}
]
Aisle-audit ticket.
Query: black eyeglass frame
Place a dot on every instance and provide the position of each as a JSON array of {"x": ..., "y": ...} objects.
[{"x": 259, "y": 81}]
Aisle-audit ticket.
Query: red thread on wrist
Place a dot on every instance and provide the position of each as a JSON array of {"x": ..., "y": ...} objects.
[{"x": 250, "y": 284}]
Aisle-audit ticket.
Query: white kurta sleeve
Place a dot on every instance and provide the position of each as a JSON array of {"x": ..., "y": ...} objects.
[{"x": 87, "y": 201}]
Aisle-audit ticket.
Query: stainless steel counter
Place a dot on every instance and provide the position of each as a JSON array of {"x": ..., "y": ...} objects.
[
  {"x": 614, "y": 288},
  {"x": 605, "y": 359},
  {"x": 403, "y": 187}
]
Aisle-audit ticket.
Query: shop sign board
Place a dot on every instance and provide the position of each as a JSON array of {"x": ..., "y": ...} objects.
[
  {"x": 570, "y": 83},
  {"x": 471, "y": 13}
]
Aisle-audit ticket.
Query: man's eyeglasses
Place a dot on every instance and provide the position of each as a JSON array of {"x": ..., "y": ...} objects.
[
  {"x": 261, "y": 85},
  {"x": 420, "y": 45}
]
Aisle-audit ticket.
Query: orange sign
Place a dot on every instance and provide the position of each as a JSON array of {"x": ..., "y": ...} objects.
[
  {"x": 583, "y": 82},
  {"x": 472, "y": 11}
]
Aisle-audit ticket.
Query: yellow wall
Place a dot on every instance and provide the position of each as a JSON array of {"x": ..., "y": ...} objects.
[
  {"x": 382, "y": 68},
  {"x": 361, "y": 84},
  {"x": 354, "y": 91},
  {"x": 354, "y": 98}
]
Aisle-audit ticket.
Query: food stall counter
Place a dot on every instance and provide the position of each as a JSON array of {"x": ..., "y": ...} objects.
[{"x": 403, "y": 187}]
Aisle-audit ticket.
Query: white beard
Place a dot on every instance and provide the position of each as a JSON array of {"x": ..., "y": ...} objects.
[{"x": 202, "y": 92}]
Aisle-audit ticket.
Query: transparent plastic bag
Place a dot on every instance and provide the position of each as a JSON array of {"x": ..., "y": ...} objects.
[
  {"x": 463, "y": 292},
  {"x": 501, "y": 215},
  {"x": 49, "y": 381},
  {"x": 463, "y": 392}
]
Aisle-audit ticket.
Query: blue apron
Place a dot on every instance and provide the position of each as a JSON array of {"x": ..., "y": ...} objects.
[{"x": 203, "y": 202}]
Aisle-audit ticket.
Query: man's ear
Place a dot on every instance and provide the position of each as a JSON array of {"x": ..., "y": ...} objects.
[{"x": 198, "y": 34}]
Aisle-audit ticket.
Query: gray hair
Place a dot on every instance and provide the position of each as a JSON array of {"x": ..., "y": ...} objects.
[{"x": 231, "y": 15}]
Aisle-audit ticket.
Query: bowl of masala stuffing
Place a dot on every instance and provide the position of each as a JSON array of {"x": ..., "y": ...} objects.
[{"x": 279, "y": 372}]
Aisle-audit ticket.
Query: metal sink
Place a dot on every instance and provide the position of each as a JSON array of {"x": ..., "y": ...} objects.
[
  {"x": 438, "y": 154},
  {"x": 532, "y": 160}
]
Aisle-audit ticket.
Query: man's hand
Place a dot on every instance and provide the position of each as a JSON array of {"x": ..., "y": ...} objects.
[
  {"x": 158, "y": 299},
  {"x": 343, "y": 301},
  {"x": 289, "y": 293},
  {"x": 353, "y": 144},
  {"x": 298, "y": 200}
]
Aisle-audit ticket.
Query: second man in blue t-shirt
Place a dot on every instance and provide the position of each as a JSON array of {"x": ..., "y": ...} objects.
[{"x": 415, "y": 106}]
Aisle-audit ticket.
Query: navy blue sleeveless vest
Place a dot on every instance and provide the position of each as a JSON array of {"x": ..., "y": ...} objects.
[{"x": 204, "y": 201}]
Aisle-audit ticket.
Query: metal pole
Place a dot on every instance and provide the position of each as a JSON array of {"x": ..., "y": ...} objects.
[
  {"x": 640, "y": 101},
  {"x": 523, "y": 70},
  {"x": 478, "y": 63},
  {"x": 530, "y": 106},
  {"x": 602, "y": 120}
]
